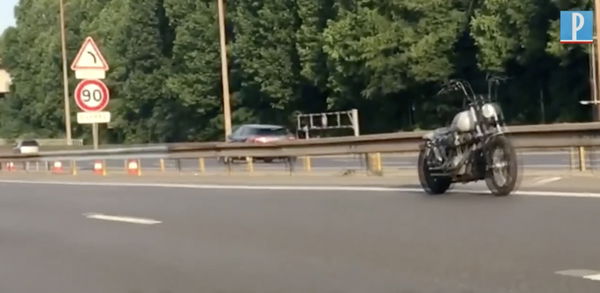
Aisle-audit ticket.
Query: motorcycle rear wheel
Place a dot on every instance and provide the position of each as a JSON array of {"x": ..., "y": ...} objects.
[
  {"x": 502, "y": 171},
  {"x": 432, "y": 185}
]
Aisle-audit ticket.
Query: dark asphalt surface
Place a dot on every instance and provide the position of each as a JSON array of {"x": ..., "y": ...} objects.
[{"x": 292, "y": 241}]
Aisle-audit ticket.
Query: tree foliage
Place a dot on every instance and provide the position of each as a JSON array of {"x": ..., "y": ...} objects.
[{"x": 385, "y": 58}]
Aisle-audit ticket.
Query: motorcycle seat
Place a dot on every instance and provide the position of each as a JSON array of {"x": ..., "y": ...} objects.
[{"x": 442, "y": 131}]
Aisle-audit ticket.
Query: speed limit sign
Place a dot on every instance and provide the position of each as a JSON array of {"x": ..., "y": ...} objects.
[{"x": 91, "y": 95}]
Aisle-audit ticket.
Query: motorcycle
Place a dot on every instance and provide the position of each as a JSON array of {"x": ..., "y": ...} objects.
[{"x": 472, "y": 148}]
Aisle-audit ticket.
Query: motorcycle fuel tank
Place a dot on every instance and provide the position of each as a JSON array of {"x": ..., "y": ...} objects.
[{"x": 464, "y": 121}]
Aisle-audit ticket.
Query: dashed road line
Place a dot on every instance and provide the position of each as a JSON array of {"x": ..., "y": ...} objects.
[
  {"x": 581, "y": 273},
  {"x": 544, "y": 181},
  {"x": 123, "y": 219}
]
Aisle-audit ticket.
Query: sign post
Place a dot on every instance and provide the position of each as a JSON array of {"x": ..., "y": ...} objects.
[
  {"x": 91, "y": 95},
  {"x": 95, "y": 135}
]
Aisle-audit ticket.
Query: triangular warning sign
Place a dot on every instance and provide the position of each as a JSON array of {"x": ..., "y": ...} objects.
[{"x": 89, "y": 57}]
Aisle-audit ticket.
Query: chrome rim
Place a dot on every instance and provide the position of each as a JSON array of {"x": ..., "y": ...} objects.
[{"x": 500, "y": 167}]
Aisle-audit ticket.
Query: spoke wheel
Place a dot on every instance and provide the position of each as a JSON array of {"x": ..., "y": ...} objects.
[
  {"x": 432, "y": 185},
  {"x": 501, "y": 177}
]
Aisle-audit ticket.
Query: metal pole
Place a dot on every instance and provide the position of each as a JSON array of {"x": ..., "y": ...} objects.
[
  {"x": 224, "y": 70},
  {"x": 596, "y": 106},
  {"x": 582, "y": 166},
  {"x": 593, "y": 81},
  {"x": 355, "y": 122},
  {"x": 65, "y": 77},
  {"x": 95, "y": 135}
]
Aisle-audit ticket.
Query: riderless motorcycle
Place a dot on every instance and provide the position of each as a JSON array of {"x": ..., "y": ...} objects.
[{"x": 473, "y": 147}]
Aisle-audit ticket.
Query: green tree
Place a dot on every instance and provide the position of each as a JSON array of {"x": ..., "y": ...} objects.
[
  {"x": 31, "y": 55},
  {"x": 264, "y": 50},
  {"x": 196, "y": 79},
  {"x": 137, "y": 45}
]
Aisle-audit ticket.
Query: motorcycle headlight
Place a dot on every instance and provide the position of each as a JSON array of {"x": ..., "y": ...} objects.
[{"x": 489, "y": 111}]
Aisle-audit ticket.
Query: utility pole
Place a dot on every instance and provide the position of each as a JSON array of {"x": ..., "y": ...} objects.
[
  {"x": 224, "y": 69},
  {"x": 65, "y": 77},
  {"x": 593, "y": 79}
]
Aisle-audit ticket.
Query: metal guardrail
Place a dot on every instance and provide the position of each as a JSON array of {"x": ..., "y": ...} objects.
[{"x": 570, "y": 135}]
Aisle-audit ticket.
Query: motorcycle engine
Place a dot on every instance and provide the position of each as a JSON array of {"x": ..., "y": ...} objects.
[
  {"x": 450, "y": 149},
  {"x": 461, "y": 145}
]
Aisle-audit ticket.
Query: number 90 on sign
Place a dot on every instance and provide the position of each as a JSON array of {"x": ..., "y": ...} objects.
[{"x": 91, "y": 95}]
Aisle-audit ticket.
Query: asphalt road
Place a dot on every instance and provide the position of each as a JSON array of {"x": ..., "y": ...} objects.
[
  {"x": 57, "y": 238},
  {"x": 532, "y": 160}
]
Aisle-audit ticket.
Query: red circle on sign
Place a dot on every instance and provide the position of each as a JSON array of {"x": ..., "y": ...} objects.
[{"x": 91, "y": 95}]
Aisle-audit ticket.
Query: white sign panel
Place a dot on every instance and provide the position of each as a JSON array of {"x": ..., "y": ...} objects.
[
  {"x": 90, "y": 74},
  {"x": 93, "y": 117}
]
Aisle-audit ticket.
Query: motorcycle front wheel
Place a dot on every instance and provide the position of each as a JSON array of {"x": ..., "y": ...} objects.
[
  {"x": 432, "y": 185},
  {"x": 502, "y": 171}
]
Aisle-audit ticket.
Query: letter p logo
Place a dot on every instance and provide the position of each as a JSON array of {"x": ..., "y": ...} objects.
[{"x": 576, "y": 27}]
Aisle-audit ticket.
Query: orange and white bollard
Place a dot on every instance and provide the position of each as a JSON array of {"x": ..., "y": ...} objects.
[
  {"x": 133, "y": 168},
  {"x": 99, "y": 168},
  {"x": 57, "y": 167}
]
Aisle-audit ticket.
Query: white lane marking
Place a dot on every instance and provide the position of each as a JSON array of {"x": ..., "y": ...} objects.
[
  {"x": 218, "y": 186},
  {"x": 595, "y": 277},
  {"x": 581, "y": 273},
  {"x": 123, "y": 219},
  {"x": 544, "y": 181},
  {"x": 539, "y": 193}
]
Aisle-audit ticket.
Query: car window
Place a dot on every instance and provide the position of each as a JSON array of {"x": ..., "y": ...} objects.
[
  {"x": 238, "y": 131},
  {"x": 241, "y": 131},
  {"x": 269, "y": 131},
  {"x": 29, "y": 143}
]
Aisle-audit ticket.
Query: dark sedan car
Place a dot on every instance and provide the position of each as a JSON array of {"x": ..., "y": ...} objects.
[{"x": 259, "y": 133}]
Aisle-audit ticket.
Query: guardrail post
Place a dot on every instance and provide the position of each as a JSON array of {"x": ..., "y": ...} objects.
[
  {"x": 572, "y": 158},
  {"x": 290, "y": 161},
  {"x": 201, "y": 165},
  {"x": 378, "y": 163},
  {"x": 228, "y": 164},
  {"x": 104, "y": 168},
  {"x": 307, "y": 163},
  {"x": 162, "y": 165},
  {"x": 582, "y": 166},
  {"x": 592, "y": 157},
  {"x": 374, "y": 163},
  {"x": 37, "y": 166},
  {"x": 367, "y": 162},
  {"x": 250, "y": 164},
  {"x": 178, "y": 165},
  {"x": 74, "y": 168}
]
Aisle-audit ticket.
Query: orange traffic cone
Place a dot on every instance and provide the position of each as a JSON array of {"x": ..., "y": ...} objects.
[
  {"x": 57, "y": 167},
  {"x": 133, "y": 168},
  {"x": 99, "y": 168},
  {"x": 10, "y": 167}
]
